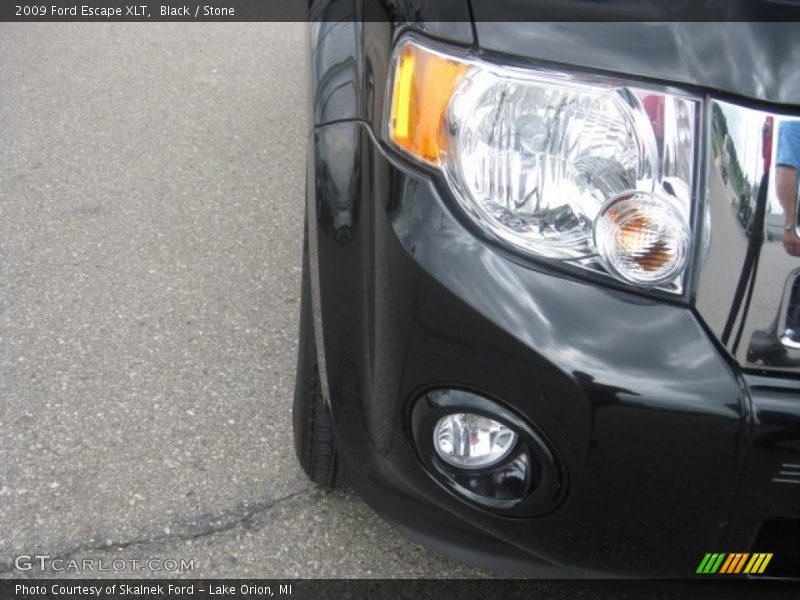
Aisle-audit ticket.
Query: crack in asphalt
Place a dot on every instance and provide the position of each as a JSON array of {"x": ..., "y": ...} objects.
[{"x": 223, "y": 523}]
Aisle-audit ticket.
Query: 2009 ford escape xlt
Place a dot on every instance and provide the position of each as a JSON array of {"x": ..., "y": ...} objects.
[{"x": 551, "y": 289}]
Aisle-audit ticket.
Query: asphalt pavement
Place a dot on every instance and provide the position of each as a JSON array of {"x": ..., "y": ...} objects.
[{"x": 151, "y": 193}]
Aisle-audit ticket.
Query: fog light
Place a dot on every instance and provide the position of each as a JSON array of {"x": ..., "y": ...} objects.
[
  {"x": 484, "y": 453},
  {"x": 472, "y": 441}
]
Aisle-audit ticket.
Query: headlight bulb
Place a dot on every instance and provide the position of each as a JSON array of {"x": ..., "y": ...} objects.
[{"x": 471, "y": 441}]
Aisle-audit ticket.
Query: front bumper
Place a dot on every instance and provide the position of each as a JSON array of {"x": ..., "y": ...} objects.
[{"x": 651, "y": 424}]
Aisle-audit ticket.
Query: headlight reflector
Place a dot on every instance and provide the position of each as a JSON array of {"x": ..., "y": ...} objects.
[{"x": 537, "y": 159}]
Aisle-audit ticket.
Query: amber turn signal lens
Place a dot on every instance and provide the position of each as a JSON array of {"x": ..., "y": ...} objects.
[
  {"x": 635, "y": 238},
  {"x": 424, "y": 83}
]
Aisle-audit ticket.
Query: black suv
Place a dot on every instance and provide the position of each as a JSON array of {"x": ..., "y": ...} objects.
[{"x": 536, "y": 333}]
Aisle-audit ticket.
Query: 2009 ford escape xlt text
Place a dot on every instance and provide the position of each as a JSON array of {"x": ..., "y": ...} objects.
[{"x": 551, "y": 287}]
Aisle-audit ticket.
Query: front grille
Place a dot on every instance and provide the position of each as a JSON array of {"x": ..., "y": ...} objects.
[{"x": 788, "y": 473}]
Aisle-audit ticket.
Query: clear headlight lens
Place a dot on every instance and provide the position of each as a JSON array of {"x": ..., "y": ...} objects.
[
  {"x": 472, "y": 441},
  {"x": 588, "y": 171}
]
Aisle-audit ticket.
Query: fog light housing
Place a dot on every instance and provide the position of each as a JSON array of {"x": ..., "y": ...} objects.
[
  {"x": 471, "y": 441},
  {"x": 485, "y": 454}
]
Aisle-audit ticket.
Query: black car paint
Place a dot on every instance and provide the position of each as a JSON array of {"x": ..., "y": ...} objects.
[
  {"x": 653, "y": 424},
  {"x": 757, "y": 61}
]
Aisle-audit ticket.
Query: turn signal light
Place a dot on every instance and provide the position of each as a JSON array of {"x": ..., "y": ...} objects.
[
  {"x": 642, "y": 238},
  {"x": 424, "y": 83}
]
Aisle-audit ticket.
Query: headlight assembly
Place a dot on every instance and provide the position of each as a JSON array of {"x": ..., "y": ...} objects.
[{"x": 585, "y": 170}]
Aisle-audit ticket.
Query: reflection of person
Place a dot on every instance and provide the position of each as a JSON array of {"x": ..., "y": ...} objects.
[{"x": 786, "y": 165}]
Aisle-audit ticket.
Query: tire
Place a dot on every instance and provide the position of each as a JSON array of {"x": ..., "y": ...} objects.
[{"x": 314, "y": 441}]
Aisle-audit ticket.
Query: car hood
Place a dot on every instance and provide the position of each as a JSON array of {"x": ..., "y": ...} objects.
[{"x": 759, "y": 61}]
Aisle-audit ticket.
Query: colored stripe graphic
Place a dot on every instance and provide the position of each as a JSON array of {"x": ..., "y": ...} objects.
[
  {"x": 755, "y": 562},
  {"x": 734, "y": 563},
  {"x": 703, "y": 563},
  {"x": 727, "y": 564},
  {"x": 730, "y": 564},
  {"x": 717, "y": 563},
  {"x": 740, "y": 563},
  {"x": 761, "y": 562},
  {"x": 737, "y": 563},
  {"x": 711, "y": 562}
]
